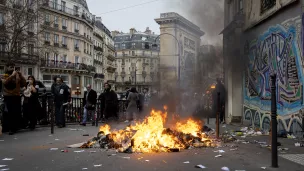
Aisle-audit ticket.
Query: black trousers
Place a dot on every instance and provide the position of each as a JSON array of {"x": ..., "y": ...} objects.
[
  {"x": 12, "y": 116},
  {"x": 59, "y": 114}
]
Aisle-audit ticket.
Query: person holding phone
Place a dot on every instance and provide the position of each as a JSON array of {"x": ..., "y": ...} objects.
[
  {"x": 12, "y": 82},
  {"x": 31, "y": 102}
]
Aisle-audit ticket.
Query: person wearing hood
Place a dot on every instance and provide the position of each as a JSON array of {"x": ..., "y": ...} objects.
[
  {"x": 61, "y": 93},
  {"x": 109, "y": 103}
]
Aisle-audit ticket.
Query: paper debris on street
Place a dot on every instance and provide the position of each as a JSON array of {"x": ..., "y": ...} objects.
[
  {"x": 98, "y": 165},
  {"x": 147, "y": 160},
  {"x": 263, "y": 168},
  {"x": 75, "y": 145},
  {"x": 84, "y": 168},
  {"x": 3, "y": 166},
  {"x": 218, "y": 155},
  {"x": 8, "y": 159},
  {"x": 200, "y": 166},
  {"x": 56, "y": 139},
  {"x": 92, "y": 151},
  {"x": 80, "y": 151},
  {"x": 234, "y": 149},
  {"x": 186, "y": 162},
  {"x": 126, "y": 157},
  {"x": 54, "y": 149},
  {"x": 225, "y": 168},
  {"x": 4, "y": 169}
]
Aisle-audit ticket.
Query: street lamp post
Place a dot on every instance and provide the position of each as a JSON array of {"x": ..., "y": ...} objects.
[{"x": 179, "y": 53}]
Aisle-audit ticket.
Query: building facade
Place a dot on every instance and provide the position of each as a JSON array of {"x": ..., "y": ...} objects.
[
  {"x": 18, "y": 35},
  {"x": 180, "y": 42},
  {"x": 267, "y": 38},
  {"x": 137, "y": 59},
  {"x": 98, "y": 55},
  {"x": 68, "y": 40}
]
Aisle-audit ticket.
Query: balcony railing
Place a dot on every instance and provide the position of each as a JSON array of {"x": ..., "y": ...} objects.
[
  {"x": 66, "y": 65},
  {"x": 98, "y": 48},
  {"x": 64, "y": 9},
  {"x": 19, "y": 57},
  {"x": 99, "y": 75}
]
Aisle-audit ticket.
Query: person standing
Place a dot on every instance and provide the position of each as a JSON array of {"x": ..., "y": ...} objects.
[
  {"x": 109, "y": 103},
  {"x": 61, "y": 93},
  {"x": 12, "y": 82},
  {"x": 31, "y": 102},
  {"x": 132, "y": 108},
  {"x": 89, "y": 104},
  {"x": 220, "y": 88}
]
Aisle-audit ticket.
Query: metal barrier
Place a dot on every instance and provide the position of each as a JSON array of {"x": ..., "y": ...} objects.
[{"x": 74, "y": 111}]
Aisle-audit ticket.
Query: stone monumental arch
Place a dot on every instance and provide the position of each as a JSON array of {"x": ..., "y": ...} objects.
[{"x": 179, "y": 46}]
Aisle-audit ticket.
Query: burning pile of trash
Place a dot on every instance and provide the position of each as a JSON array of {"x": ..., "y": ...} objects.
[{"x": 150, "y": 135}]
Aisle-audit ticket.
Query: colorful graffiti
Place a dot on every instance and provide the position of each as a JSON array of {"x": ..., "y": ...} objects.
[{"x": 278, "y": 50}]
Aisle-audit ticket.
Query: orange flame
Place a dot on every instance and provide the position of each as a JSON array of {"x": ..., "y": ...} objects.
[{"x": 151, "y": 135}]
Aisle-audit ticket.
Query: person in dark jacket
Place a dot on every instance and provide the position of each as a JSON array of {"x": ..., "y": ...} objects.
[
  {"x": 89, "y": 104},
  {"x": 220, "y": 88},
  {"x": 31, "y": 102},
  {"x": 61, "y": 93},
  {"x": 109, "y": 103}
]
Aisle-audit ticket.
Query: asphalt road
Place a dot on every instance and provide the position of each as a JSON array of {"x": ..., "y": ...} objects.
[{"x": 31, "y": 151}]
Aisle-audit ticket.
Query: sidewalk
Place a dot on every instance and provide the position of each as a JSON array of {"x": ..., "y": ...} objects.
[{"x": 287, "y": 150}]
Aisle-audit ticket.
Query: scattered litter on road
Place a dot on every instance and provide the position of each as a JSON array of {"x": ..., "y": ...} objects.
[
  {"x": 164, "y": 161},
  {"x": 8, "y": 159},
  {"x": 218, "y": 155},
  {"x": 186, "y": 162},
  {"x": 86, "y": 135},
  {"x": 81, "y": 151},
  {"x": 56, "y": 139},
  {"x": 283, "y": 149},
  {"x": 225, "y": 168},
  {"x": 126, "y": 157},
  {"x": 147, "y": 160},
  {"x": 298, "y": 144},
  {"x": 234, "y": 149},
  {"x": 245, "y": 142},
  {"x": 98, "y": 165},
  {"x": 3, "y": 166},
  {"x": 84, "y": 168},
  {"x": 291, "y": 136},
  {"x": 219, "y": 151},
  {"x": 54, "y": 149},
  {"x": 200, "y": 166},
  {"x": 75, "y": 145},
  {"x": 64, "y": 151},
  {"x": 112, "y": 154},
  {"x": 4, "y": 169},
  {"x": 224, "y": 126},
  {"x": 92, "y": 151},
  {"x": 76, "y": 129},
  {"x": 263, "y": 168}
]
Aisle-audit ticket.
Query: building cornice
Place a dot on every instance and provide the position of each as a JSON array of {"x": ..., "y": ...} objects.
[{"x": 175, "y": 18}]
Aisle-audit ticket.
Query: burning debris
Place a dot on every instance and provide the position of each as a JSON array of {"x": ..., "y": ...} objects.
[{"x": 151, "y": 136}]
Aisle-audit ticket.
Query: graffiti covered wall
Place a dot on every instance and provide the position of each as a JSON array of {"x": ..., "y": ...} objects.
[{"x": 278, "y": 50}]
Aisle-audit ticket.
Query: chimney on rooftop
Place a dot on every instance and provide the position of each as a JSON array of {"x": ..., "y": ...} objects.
[
  {"x": 114, "y": 33},
  {"x": 98, "y": 19},
  {"x": 132, "y": 31}
]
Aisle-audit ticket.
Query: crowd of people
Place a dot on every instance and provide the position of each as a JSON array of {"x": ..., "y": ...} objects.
[{"x": 25, "y": 111}]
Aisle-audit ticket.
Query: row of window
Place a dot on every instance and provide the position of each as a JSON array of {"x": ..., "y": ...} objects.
[
  {"x": 143, "y": 45},
  {"x": 65, "y": 23}
]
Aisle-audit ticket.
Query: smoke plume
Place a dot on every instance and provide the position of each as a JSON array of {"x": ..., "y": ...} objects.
[{"x": 207, "y": 14}]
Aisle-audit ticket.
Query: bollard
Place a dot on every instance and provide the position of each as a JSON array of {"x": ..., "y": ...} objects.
[
  {"x": 52, "y": 117},
  {"x": 274, "y": 139},
  {"x": 218, "y": 115}
]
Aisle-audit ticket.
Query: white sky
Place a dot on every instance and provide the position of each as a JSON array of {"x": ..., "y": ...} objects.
[{"x": 143, "y": 16}]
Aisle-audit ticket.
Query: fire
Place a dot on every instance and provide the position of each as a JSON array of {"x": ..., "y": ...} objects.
[
  {"x": 189, "y": 127},
  {"x": 105, "y": 129},
  {"x": 151, "y": 135}
]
